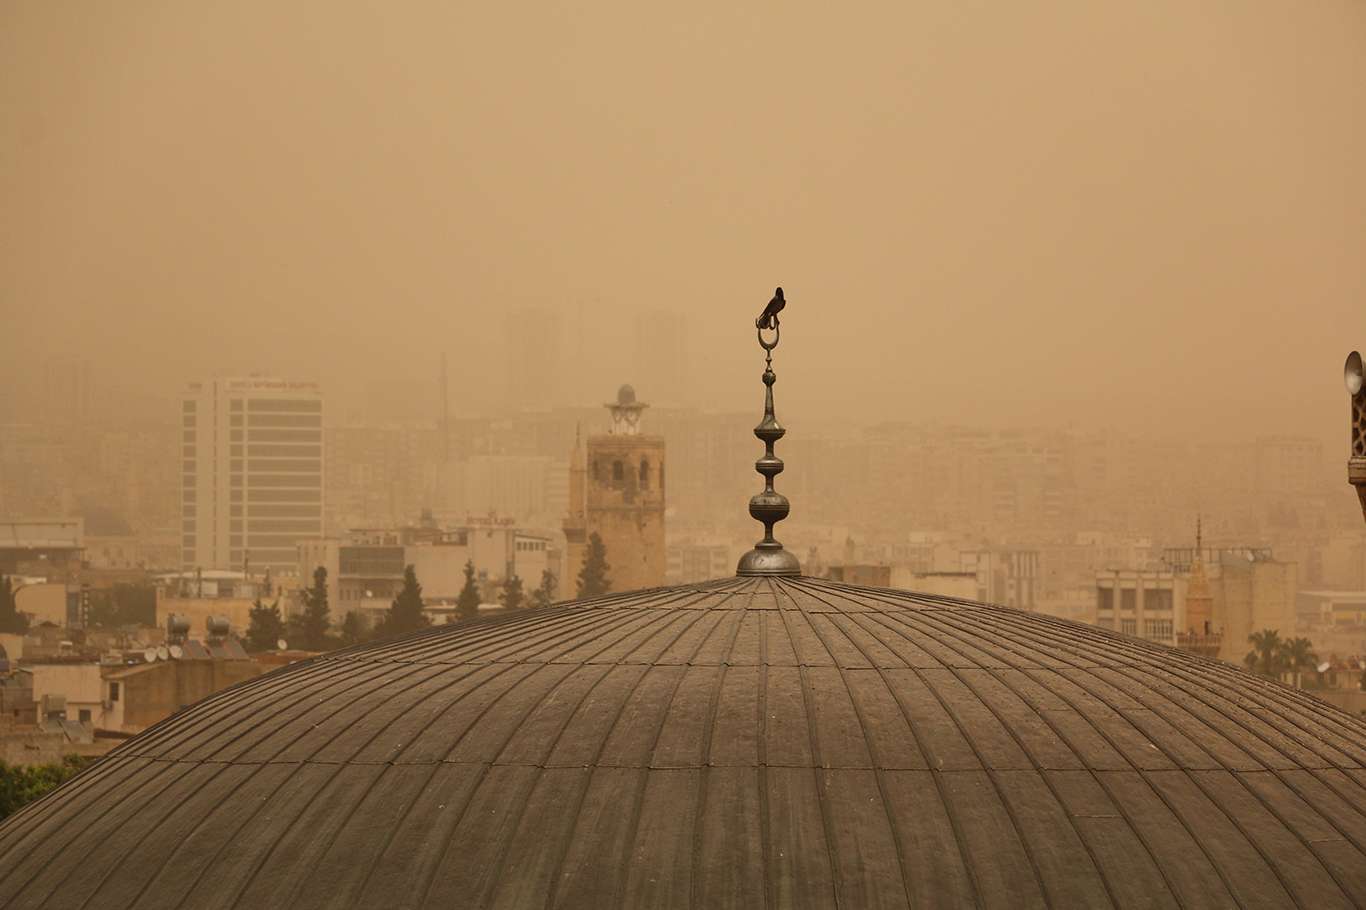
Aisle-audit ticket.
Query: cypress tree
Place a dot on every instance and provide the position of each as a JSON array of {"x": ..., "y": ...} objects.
[
  {"x": 405, "y": 614},
  {"x": 467, "y": 604},
  {"x": 311, "y": 628},
  {"x": 353, "y": 630},
  {"x": 593, "y": 577},
  {"x": 266, "y": 626},
  {"x": 512, "y": 596},
  {"x": 544, "y": 594}
]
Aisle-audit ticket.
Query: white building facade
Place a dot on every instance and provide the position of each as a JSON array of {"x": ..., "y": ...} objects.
[{"x": 251, "y": 473}]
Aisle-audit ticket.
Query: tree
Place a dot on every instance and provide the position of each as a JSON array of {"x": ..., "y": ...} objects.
[
  {"x": 405, "y": 613},
  {"x": 309, "y": 630},
  {"x": 544, "y": 595},
  {"x": 11, "y": 620},
  {"x": 266, "y": 626},
  {"x": 1265, "y": 658},
  {"x": 1297, "y": 654},
  {"x": 353, "y": 630},
  {"x": 593, "y": 576},
  {"x": 20, "y": 784},
  {"x": 512, "y": 596},
  {"x": 467, "y": 604}
]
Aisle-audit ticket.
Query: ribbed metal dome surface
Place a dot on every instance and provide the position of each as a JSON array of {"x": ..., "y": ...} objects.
[{"x": 745, "y": 743}]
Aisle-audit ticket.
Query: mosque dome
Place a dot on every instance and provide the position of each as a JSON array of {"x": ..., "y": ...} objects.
[
  {"x": 764, "y": 740},
  {"x": 778, "y": 741},
  {"x": 626, "y": 395}
]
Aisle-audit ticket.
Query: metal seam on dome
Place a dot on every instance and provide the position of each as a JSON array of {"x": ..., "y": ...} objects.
[
  {"x": 954, "y": 823},
  {"x": 568, "y": 720},
  {"x": 396, "y": 693},
  {"x": 814, "y": 744},
  {"x": 1211, "y": 683},
  {"x": 659, "y": 731},
  {"x": 5, "y": 875},
  {"x": 703, "y": 777},
  {"x": 173, "y": 806},
  {"x": 1122, "y": 810},
  {"x": 243, "y": 888},
  {"x": 1034, "y": 766},
  {"x": 878, "y": 766},
  {"x": 987, "y": 768},
  {"x": 1191, "y": 710},
  {"x": 1176, "y": 766},
  {"x": 1186, "y": 773},
  {"x": 476, "y": 785}
]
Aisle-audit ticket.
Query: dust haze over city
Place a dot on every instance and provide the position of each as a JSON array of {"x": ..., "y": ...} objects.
[{"x": 1069, "y": 288}]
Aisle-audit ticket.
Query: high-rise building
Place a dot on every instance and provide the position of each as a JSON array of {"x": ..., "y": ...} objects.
[
  {"x": 534, "y": 371},
  {"x": 251, "y": 472}
]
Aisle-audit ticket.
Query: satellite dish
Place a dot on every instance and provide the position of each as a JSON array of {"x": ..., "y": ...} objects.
[
  {"x": 150, "y": 655},
  {"x": 281, "y": 645},
  {"x": 177, "y": 652},
  {"x": 1323, "y": 667},
  {"x": 163, "y": 653},
  {"x": 1352, "y": 373}
]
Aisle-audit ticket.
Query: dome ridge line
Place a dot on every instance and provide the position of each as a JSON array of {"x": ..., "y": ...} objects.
[
  {"x": 1188, "y": 772},
  {"x": 1032, "y": 762},
  {"x": 474, "y": 787}
]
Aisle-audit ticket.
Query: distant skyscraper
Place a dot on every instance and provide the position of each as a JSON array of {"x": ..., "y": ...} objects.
[
  {"x": 251, "y": 472},
  {"x": 661, "y": 339},
  {"x": 533, "y": 339},
  {"x": 68, "y": 391}
]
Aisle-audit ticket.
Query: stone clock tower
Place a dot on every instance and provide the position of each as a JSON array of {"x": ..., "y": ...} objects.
[{"x": 616, "y": 489}]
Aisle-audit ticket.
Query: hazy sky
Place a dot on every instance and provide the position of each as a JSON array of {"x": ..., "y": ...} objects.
[{"x": 1147, "y": 214}]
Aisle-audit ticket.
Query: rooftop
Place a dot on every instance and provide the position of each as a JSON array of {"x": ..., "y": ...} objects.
[{"x": 746, "y": 741}]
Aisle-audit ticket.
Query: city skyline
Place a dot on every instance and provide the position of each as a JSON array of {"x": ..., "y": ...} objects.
[{"x": 1173, "y": 233}]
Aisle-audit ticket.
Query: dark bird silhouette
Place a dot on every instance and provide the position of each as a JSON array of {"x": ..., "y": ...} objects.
[{"x": 768, "y": 319}]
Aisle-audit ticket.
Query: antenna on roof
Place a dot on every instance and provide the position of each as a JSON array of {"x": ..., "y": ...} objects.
[{"x": 770, "y": 507}]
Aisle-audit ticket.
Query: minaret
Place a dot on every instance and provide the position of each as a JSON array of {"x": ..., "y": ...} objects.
[
  {"x": 576, "y": 522},
  {"x": 624, "y": 496},
  {"x": 1199, "y": 635}
]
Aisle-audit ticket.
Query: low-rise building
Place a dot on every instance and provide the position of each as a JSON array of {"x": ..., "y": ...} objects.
[
  {"x": 365, "y": 567},
  {"x": 73, "y": 682},
  {"x": 1147, "y": 603},
  {"x": 1004, "y": 576},
  {"x": 138, "y": 696},
  {"x": 687, "y": 562},
  {"x": 1250, "y": 591}
]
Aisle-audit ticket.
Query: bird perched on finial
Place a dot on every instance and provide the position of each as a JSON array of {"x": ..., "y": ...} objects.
[{"x": 768, "y": 319}]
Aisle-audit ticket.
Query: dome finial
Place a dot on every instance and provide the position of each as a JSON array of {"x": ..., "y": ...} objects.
[{"x": 770, "y": 507}]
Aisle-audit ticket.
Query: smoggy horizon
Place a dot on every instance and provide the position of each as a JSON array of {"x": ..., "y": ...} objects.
[{"x": 1148, "y": 218}]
